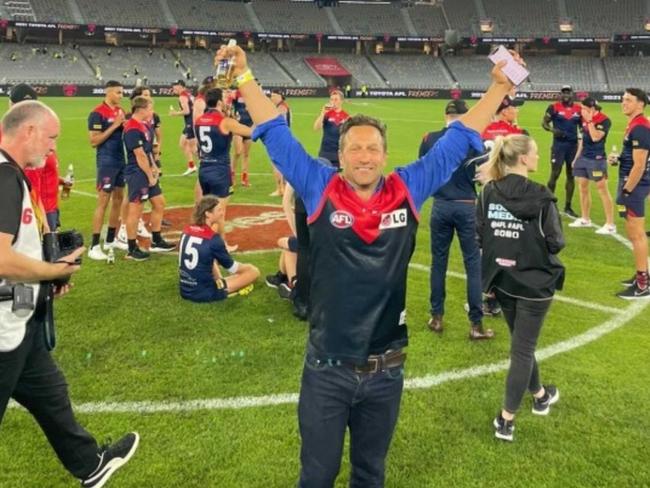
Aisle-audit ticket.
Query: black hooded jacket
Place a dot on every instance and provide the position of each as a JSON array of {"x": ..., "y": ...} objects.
[{"x": 520, "y": 233}]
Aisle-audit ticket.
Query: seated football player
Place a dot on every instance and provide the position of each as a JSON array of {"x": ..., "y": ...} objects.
[{"x": 203, "y": 251}]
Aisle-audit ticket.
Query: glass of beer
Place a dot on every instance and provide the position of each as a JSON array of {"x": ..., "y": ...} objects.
[{"x": 224, "y": 76}]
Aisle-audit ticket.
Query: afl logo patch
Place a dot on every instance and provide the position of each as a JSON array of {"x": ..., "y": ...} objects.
[{"x": 341, "y": 219}]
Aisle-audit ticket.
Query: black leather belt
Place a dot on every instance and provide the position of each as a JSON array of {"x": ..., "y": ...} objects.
[{"x": 380, "y": 362}]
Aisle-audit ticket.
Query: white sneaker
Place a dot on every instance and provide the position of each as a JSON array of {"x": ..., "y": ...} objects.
[
  {"x": 580, "y": 222},
  {"x": 189, "y": 171},
  {"x": 95, "y": 253},
  {"x": 607, "y": 229},
  {"x": 122, "y": 246},
  {"x": 142, "y": 230},
  {"x": 121, "y": 234}
]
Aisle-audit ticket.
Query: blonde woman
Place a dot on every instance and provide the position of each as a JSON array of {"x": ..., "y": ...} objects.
[{"x": 520, "y": 233}]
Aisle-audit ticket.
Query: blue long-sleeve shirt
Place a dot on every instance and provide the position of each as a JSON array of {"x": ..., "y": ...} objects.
[{"x": 309, "y": 177}]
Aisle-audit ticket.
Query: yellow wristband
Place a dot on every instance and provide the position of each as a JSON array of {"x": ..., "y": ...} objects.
[{"x": 245, "y": 77}]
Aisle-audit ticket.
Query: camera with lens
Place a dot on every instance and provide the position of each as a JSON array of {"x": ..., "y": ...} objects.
[{"x": 57, "y": 245}]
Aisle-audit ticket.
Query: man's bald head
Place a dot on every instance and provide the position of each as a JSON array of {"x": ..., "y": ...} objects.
[
  {"x": 29, "y": 132},
  {"x": 29, "y": 112}
]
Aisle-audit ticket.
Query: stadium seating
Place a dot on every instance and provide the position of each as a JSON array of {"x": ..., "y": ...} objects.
[
  {"x": 156, "y": 66},
  {"x": 428, "y": 20},
  {"x": 199, "y": 61},
  {"x": 551, "y": 72},
  {"x": 361, "y": 70},
  {"x": 202, "y": 14},
  {"x": 409, "y": 71},
  {"x": 469, "y": 71},
  {"x": 628, "y": 72},
  {"x": 268, "y": 71},
  {"x": 52, "y": 10},
  {"x": 603, "y": 18},
  {"x": 126, "y": 13},
  {"x": 371, "y": 19},
  {"x": 32, "y": 65},
  {"x": 462, "y": 16},
  {"x": 295, "y": 64},
  {"x": 282, "y": 16},
  {"x": 589, "y": 17},
  {"x": 541, "y": 17}
]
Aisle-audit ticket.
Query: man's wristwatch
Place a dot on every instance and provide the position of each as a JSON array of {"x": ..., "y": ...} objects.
[{"x": 626, "y": 192}]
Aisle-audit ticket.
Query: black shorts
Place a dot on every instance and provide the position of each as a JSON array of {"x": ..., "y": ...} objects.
[
  {"x": 110, "y": 177},
  {"x": 139, "y": 189},
  {"x": 632, "y": 205},
  {"x": 592, "y": 169},
  {"x": 563, "y": 152},
  {"x": 215, "y": 180},
  {"x": 188, "y": 132},
  {"x": 292, "y": 242}
]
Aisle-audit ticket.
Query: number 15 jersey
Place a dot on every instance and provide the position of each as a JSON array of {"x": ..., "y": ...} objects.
[{"x": 200, "y": 246}]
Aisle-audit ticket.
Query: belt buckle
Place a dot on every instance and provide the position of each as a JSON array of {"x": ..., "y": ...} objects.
[{"x": 375, "y": 362}]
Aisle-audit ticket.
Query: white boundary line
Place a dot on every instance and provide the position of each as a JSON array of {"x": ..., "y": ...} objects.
[
  {"x": 429, "y": 381},
  {"x": 559, "y": 298},
  {"x": 548, "y": 352}
]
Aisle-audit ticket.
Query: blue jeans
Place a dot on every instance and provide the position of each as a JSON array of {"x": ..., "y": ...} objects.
[
  {"x": 333, "y": 398},
  {"x": 447, "y": 216}
]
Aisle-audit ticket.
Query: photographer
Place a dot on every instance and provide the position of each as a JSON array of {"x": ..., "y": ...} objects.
[{"x": 28, "y": 373}]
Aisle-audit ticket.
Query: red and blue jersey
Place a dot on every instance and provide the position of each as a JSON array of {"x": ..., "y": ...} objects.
[
  {"x": 190, "y": 103},
  {"x": 239, "y": 106},
  {"x": 214, "y": 145},
  {"x": 110, "y": 153},
  {"x": 591, "y": 149},
  {"x": 199, "y": 248},
  {"x": 637, "y": 136},
  {"x": 152, "y": 124},
  {"x": 360, "y": 249},
  {"x": 565, "y": 118},
  {"x": 137, "y": 135},
  {"x": 329, "y": 146}
]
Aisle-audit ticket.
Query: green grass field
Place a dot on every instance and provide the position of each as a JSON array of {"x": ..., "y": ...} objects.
[{"x": 126, "y": 336}]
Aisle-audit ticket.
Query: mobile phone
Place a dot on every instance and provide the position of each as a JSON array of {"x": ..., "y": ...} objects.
[{"x": 513, "y": 70}]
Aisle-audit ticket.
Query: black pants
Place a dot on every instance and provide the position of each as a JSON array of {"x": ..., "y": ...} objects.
[
  {"x": 525, "y": 319},
  {"x": 29, "y": 375},
  {"x": 302, "y": 267},
  {"x": 562, "y": 155}
]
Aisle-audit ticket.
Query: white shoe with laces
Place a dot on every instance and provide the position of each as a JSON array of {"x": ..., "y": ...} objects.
[
  {"x": 142, "y": 230},
  {"x": 607, "y": 230},
  {"x": 580, "y": 222},
  {"x": 121, "y": 234},
  {"x": 96, "y": 254}
]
